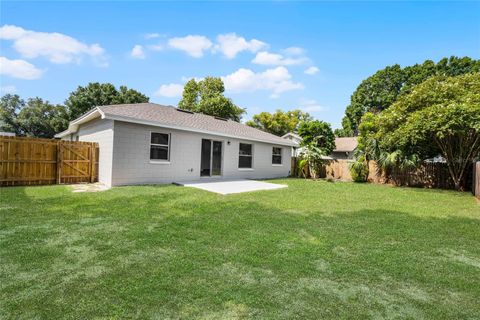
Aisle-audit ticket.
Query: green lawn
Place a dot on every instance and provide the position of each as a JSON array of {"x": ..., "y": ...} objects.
[{"x": 312, "y": 250}]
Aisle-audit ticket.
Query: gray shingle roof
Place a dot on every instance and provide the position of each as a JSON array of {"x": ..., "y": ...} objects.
[
  {"x": 346, "y": 144},
  {"x": 157, "y": 114}
]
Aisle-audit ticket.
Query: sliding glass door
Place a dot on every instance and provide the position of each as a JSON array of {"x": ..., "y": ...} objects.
[
  {"x": 217, "y": 158},
  {"x": 211, "y": 158}
]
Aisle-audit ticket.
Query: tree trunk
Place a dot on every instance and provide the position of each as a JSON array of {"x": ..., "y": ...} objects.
[
  {"x": 456, "y": 176},
  {"x": 313, "y": 171},
  {"x": 458, "y": 187},
  {"x": 458, "y": 154}
]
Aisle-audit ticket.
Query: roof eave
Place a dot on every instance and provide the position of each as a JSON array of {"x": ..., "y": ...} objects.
[
  {"x": 291, "y": 134},
  {"x": 74, "y": 124},
  {"x": 287, "y": 143}
]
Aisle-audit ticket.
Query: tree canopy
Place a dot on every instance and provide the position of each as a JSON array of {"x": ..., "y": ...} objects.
[
  {"x": 207, "y": 96},
  {"x": 10, "y": 106},
  {"x": 441, "y": 116},
  {"x": 280, "y": 122},
  {"x": 98, "y": 94},
  {"x": 381, "y": 90},
  {"x": 39, "y": 118},
  {"x": 36, "y": 117},
  {"x": 318, "y": 133},
  {"x": 42, "y": 119}
]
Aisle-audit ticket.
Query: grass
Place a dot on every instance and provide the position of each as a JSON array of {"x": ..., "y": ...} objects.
[{"x": 313, "y": 250}]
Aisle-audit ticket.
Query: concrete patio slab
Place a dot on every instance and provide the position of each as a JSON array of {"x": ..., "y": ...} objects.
[
  {"x": 89, "y": 187},
  {"x": 231, "y": 186}
]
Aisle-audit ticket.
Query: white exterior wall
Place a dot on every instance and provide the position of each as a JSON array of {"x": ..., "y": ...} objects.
[
  {"x": 100, "y": 131},
  {"x": 132, "y": 165},
  {"x": 295, "y": 151}
]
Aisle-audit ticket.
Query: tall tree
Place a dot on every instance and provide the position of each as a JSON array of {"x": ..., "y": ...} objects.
[
  {"x": 318, "y": 133},
  {"x": 280, "y": 122},
  {"x": 35, "y": 118},
  {"x": 190, "y": 96},
  {"x": 126, "y": 95},
  {"x": 98, "y": 94},
  {"x": 42, "y": 119},
  {"x": 207, "y": 97},
  {"x": 381, "y": 90},
  {"x": 10, "y": 106},
  {"x": 374, "y": 94},
  {"x": 440, "y": 116}
]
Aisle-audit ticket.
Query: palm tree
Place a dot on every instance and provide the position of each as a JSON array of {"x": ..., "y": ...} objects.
[
  {"x": 311, "y": 157},
  {"x": 397, "y": 159}
]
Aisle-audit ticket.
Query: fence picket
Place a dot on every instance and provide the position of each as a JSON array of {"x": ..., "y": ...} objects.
[
  {"x": 33, "y": 161},
  {"x": 476, "y": 180},
  {"x": 428, "y": 175}
]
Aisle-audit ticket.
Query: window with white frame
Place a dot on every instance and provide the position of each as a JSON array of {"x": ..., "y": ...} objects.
[
  {"x": 276, "y": 155},
  {"x": 159, "y": 146},
  {"x": 245, "y": 156}
]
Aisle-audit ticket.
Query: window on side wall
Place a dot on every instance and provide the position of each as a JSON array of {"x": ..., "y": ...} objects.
[
  {"x": 159, "y": 146},
  {"x": 245, "y": 156},
  {"x": 276, "y": 155}
]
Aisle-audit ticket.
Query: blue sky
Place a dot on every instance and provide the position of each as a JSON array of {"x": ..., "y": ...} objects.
[{"x": 271, "y": 55}]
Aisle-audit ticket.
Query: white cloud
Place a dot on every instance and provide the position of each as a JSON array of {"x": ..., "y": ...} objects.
[
  {"x": 171, "y": 90},
  {"x": 311, "y": 106},
  {"x": 193, "y": 45},
  {"x": 275, "y": 59},
  {"x": 20, "y": 69},
  {"x": 276, "y": 80},
  {"x": 294, "y": 51},
  {"x": 230, "y": 45},
  {"x": 8, "y": 90},
  {"x": 138, "y": 52},
  {"x": 311, "y": 70},
  {"x": 9, "y": 32},
  {"x": 56, "y": 47}
]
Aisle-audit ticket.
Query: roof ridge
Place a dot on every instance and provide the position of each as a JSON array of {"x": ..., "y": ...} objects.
[{"x": 167, "y": 115}]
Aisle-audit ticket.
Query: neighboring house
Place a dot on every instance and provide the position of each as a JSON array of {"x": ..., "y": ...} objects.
[
  {"x": 7, "y": 134},
  {"x": 295, "y": 138},
  {"x": 437, "y": 159},
  {"x": 149, "y": 143},
  {"x": 344, "y": 147}
]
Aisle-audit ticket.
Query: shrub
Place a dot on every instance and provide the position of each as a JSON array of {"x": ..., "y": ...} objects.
[
  {"x": 359, "y": 171},
  {"x": 310, "y": 158}
]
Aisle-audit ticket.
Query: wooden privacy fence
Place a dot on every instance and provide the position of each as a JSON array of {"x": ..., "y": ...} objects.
[
  {"x": 428, "y": 175},
  {"x": 294, "y": 167},
  {"x": 33, "y": 161},
  {"x": 476, "y": 180}
]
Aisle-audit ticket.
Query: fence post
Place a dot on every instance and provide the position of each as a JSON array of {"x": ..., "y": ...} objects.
[
  {"x": 59, "y": 161},
  {"x": 92, "y": 163},
  {"x": 476, "y": 179},
  {"x": 293, "y": 166}
]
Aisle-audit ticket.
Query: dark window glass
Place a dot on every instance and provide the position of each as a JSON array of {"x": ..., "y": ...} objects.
[
  {"x": 245, "y": 149},
  {"x": 159, "y": 146},
  {"x": 205, "y": 157},
  {"x": 276, "y": 155},
  {"x": 244, "y": 162},
  {"x": 159, "y": 138},
  {"x": 245, "y": 155},
  {"x": 217, "y": 158},
  {"x": 158, "y": 152}
]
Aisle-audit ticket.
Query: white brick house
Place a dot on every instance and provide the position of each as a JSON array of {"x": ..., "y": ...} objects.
[{"x": 148, "y": 143}]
